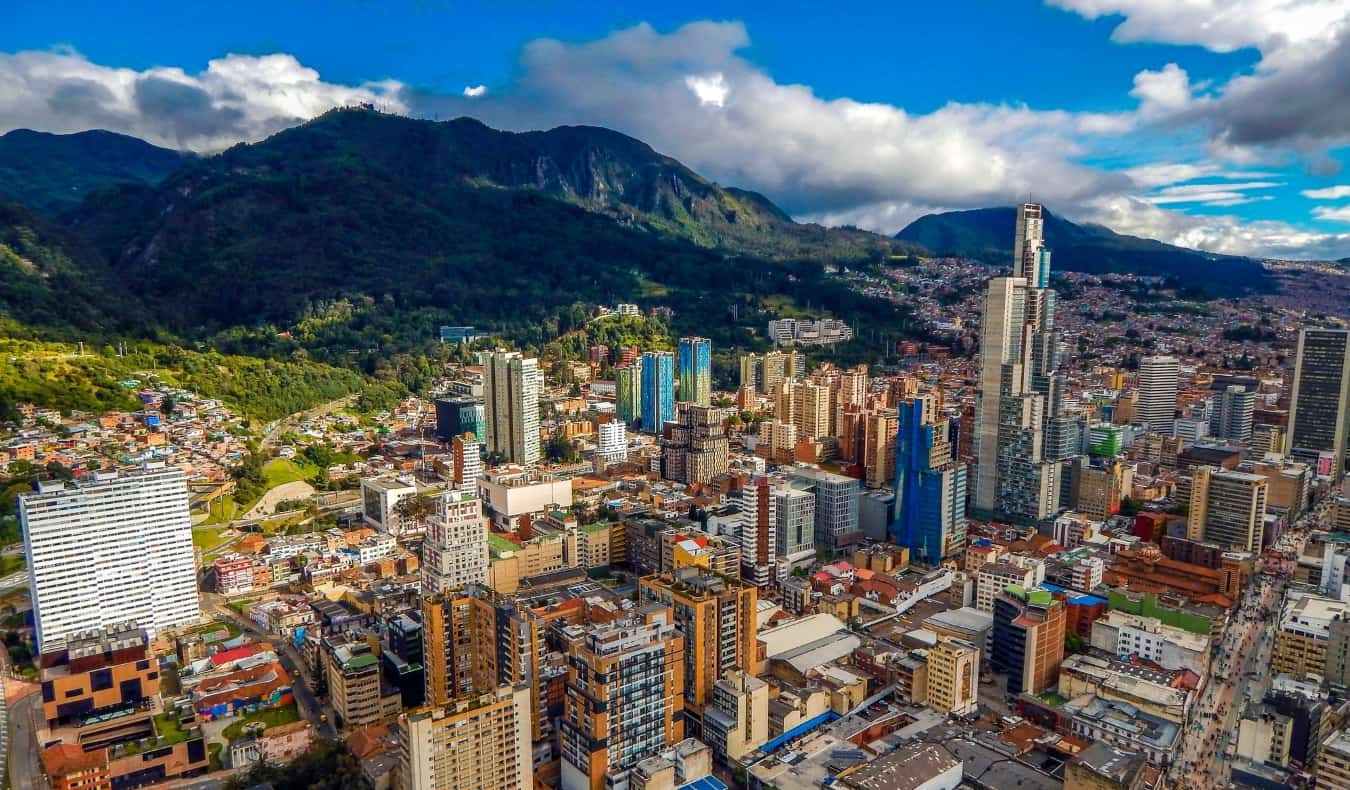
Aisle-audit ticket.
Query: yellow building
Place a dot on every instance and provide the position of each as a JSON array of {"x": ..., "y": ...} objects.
[
  {"x": 737, "y": 722},
  {"x": 1304, "y": 633},
  {"x": 625, "y": 697},
  {"x": 716, "y": 615},
  {"x": 475, "y": 743},
  {"x": 1333, "y": 762},
  {"x": 953, "y": 676}
]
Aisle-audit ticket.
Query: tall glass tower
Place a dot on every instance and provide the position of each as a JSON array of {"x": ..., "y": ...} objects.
[
  {"x": 695, "y": 370},
  {"x": 658, "y": 390},
  {"x": 930, "y": 485}
]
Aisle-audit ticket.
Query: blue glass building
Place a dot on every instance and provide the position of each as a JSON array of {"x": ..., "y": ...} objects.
[
  {"x": 930, "y": 486},
  {"x": 695, "y": 370},
  {"x": 658, "y": 390}
]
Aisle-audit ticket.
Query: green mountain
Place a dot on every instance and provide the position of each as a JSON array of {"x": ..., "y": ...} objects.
[
  {"x": 53, "y": 172},
  {"x": 360, "y": 227},
  {"x": 986, "y": 234},
  {"x": 56, "y": 283}
]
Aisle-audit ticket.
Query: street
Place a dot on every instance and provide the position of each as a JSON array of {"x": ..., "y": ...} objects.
[
  {"x": 1239, "y": 670},
  {"x": 291, "y": 661}
]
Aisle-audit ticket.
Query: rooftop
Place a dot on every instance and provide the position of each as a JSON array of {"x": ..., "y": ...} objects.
[{"x": 907, "y": 768}]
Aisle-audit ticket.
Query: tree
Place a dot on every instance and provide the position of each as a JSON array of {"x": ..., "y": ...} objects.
[
  {"x": 168, "y": 406},
  {"x": 1130, "y": 506},
  {"x": 416, "y": 507}
]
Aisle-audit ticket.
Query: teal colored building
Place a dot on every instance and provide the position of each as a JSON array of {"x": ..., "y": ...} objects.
[
  {"x": 695, "y": 371},
  {"x": 658, "y": 390}
]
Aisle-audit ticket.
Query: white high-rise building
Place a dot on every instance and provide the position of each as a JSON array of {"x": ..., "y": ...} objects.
[
  {"x": 795, "y": 515},
  {"x": 1017, "y": 395},
  {"x": 110, "y": 549},
  {"x": 455, "y": 551},
  {"x": 1156, "y": 406},
  {"x": 612, "y": 444},
  {"x": 1231, "y": 413},
  {"x": 511, "y": 388}
]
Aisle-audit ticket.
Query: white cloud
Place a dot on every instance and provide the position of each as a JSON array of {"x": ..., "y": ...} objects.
[
  {"x": 1219, "y": 25},
  {"x": 237, "y": 97},
  {"x": 473, "y": 92},
  {"x": 1328, "y": 193},
  {"x": 689, "y": 94},
  {"x": 711, "y": 89},
  {"x": 1332, "y": 213},
  {"x": 1161, "y": 93},
  {"x": 1217, "y": 233},
  {"x": 1224, "y": 193}
]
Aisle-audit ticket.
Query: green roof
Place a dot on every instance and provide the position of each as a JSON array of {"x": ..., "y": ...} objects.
[
  {"x": 596, "y": 527},
  {"x": 361, "y": 661},
  {"x": 499, "y": 544}
]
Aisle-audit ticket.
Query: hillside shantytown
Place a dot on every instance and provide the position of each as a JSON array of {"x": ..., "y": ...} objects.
[{"x": 648, "y": 413}]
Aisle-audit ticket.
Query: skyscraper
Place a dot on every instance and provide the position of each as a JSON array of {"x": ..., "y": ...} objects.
[
  {"x": 716, "y": 615},
  {"x": 1319, "y": 407},
  {"x": 658, "y": 390},
  {"x": 511, "y": 388},
  {"x": 1231, "y": 412},
  {"x": 628, "y": 393},
  {"x": 455, "y": 551},
  {"x": 698, "y": 449},
  {"x": 1227, "y": 508},
  {"x": 110, "y": 549},
  {"x": 836, "y": 509},
  {"x": 1156, "y": 406},
  {"x": 1017, "y": 392},
  {"x": 695, "y": 370},
  {"x": 625, "y": 698},
  {"x": 930, "y": 485},
  {"x": 458, "y": 416}
]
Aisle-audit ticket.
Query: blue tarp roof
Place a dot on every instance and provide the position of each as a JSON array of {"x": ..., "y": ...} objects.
[
  {"x": 801, "y": 729},
  {"x": 706, "y": 783},
  {"x": 1081, "y": 599}
]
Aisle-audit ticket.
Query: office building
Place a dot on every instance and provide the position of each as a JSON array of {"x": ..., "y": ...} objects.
[
  {"x": 794, "y": 511},
  {"x": 1227, "y": 508},
  {"x": 930, "y": 485},
  {"x": 1015, "y": 399},
  {"x": 716, "y": 615},
  {"x": 1028, "y": 639},
  {"x": 1156, "y": 406},
  {"x": 811, "y": 410},
  {"x": 658, "y": 390},
  {"x": 750, "y": 373},
  {"x": 1304, "y": 633},
  {"x": 992, "y": 578},
  {"x": 512, "y": 385},
  {"x": 1230, "y": 414},
  {"x": 879, "y": 456},
  {"x": 1319, "y": 406},
  {"x": 466, "y": 457},
  {"x": 1333, "y": 762},
  {"x": 474, "y": 743},
  {"x": 836, "y": 506},
  {"x": 738, "y": 722},
  {"x": 1097, "y": 486},
  {"x": 698, "y": 448},
  {"x": 625, "y": 698},
  {"x": 458, "y": 631},
  {"x": 757, "y": 527},
  {"x": 628, "y": 393},
  {"x": 953, "y": 676},
  {"x": 356, "y": 684},
  {"x": 455, "y": 551},
  {"x": 695, "y": 370},
  {"x": 612, "y": 444},
  {"x": 380, "y": 498},
  {"x": 458, "y": 416},
  {"x": 111, "y": 548}
]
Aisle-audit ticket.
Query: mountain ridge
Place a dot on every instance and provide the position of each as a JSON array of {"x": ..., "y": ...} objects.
[{"x": 52, "y": 173}]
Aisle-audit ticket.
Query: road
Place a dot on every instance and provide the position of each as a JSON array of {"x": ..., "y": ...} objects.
[
  {"x": 291, "y": 660},
  {"x": 1240, "y": 669},
  {"x": 275, "y": 429}
]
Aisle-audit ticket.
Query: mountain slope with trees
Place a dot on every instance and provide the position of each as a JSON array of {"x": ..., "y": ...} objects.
[{"x": 51, "y": 173}]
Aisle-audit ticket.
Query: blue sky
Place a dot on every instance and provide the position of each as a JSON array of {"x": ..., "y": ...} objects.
[{"x": 1166, "y": 118}]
